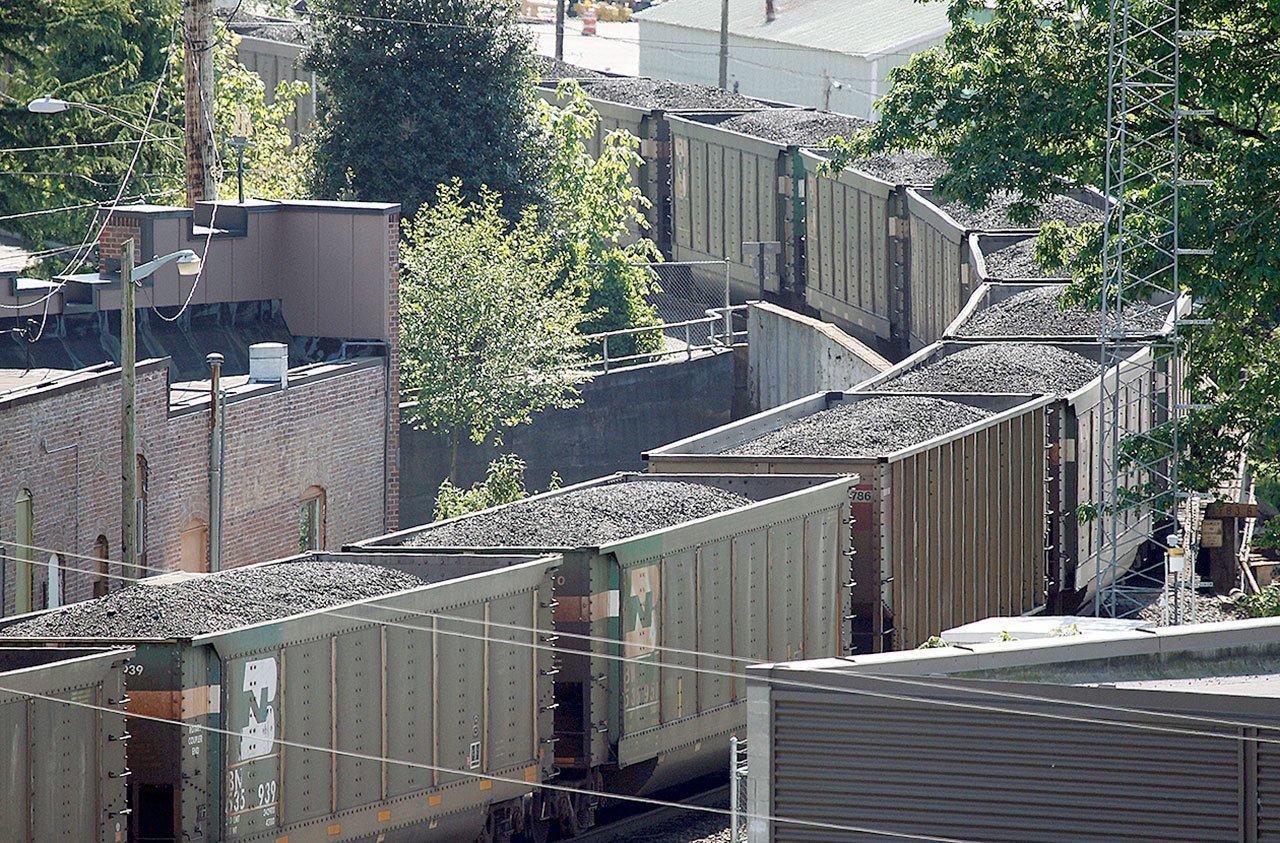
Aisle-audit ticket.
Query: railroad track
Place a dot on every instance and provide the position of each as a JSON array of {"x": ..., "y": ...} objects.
[{"x": 628, "y": 828}]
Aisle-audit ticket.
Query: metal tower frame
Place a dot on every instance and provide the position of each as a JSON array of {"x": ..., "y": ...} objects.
[{"x": 1136, "y": 496}]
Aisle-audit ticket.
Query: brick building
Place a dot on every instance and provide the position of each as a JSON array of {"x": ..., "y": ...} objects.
[{"x": 310, "y": 462}]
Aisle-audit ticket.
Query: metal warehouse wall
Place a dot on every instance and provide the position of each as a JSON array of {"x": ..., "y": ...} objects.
[
  {"x": 982, "y": 771},
  {"x": 767, "y": 69},
  {"x": 622, "y": 413}
]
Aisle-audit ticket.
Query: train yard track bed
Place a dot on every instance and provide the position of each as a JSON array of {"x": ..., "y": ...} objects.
[{"x": 627, "y": 823}]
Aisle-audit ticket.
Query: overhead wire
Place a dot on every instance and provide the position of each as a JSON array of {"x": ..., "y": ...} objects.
[
  {"x": 521, "y": 782},
  {"x": 336, "y": 611},
  {"x": 85, "y": 145}
]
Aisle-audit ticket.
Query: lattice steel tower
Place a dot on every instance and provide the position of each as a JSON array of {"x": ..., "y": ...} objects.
[{"x": 1137, "y": 499}]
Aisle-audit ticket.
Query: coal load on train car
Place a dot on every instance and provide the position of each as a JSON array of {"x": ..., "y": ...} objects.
[
  {"x": 661, "y": 94},
  {"x": 865, "y": 428},
  {"x": 1019, "y": 261},
  {"x": 549, "y": 69},
  {"x": 212, "y": 603},
  {"x": 795, "y": 127},
  {"x": 997, "y": 214},
  {"x": 1041, "y": 312},
  {"x": 590, "y": 516},
  {"x": 1007, "y": 367}
]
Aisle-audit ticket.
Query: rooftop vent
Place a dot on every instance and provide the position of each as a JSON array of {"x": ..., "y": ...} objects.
[{"x": 269, "y": 363}]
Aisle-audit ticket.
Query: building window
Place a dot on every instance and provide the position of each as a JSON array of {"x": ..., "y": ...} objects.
[
  {"x": 101, "y": 552},
  {"x": 194, "y": 550},
  {"x": 55, "y": 593},
  {"x": 311, "y": 520}
]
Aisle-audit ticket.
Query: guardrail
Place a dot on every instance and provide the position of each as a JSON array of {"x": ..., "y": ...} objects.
[{"x": 725, "y": 328}]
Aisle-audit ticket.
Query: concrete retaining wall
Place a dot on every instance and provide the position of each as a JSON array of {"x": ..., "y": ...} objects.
[
  {"x": 791, "y": 356},
  {"x": 622, "y": 414}
]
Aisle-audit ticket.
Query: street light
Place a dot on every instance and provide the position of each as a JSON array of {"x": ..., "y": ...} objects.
[
  {"x": 53, "y": 105},
  {"x": 188, "y": 265}
]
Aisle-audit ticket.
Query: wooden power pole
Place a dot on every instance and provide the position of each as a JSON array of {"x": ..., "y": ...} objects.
[
  {"x": 198, "y": 29},
  {"x": 128, "y": 443},
  {"x": 560, "y": 29},
  {"x": 724, "y": 43}
]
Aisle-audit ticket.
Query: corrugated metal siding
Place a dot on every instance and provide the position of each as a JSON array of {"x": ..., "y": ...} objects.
[
  {"x": 939, "y": 272},
  {"x": 276, "y": 62},
  {"x": 848, "y": 267},
  {"x": 975, "y": 775}
]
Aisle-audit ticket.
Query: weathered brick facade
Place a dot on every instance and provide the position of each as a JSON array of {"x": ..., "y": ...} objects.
[{"x": 62, "y": 443}]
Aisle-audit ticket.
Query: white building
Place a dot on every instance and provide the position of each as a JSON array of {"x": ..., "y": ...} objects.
[{"x": 832, "y": 54}]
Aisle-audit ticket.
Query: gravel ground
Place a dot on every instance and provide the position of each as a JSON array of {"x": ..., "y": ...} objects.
[
  {"x": 1039, "y": 313},
  {"x": 657, "y": 93},
  {"x": 1018, "y": 261},
  {"x": 225, "y": 600},
  {"x": 550, "y": 68},
  {"x": 902, "y": 167},
  {"x": 794, "y": 126},
  {"x": 1210, "y": 608},
  {"x": 865, "y": 428},
  {"x": 1000, "y": 367},
  {"x": 995, "y": 215},
  {"x": 583, "y": 518}
]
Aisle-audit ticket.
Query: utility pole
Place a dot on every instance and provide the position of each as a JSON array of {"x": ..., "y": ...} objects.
[
  {"x": 128, "y": 443},
  {"x": 724, "y": 44},
  {"x": 198, "y": 28},
  {"x": 560, "y": 29}
]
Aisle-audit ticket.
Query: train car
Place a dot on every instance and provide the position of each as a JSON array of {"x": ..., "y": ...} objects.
[
  {"x": 766, "y": 578},
  {"x": 62, "y": 715},
  {"x": 856, "y": 243},
  {"x": 1005, "y": 310},
  {"x": 652, "y": 173},
  {"x": 1075, "y": 454},
  {"x": 939, "y": 260},
  {"x": 416, "y": 714},
  {"x": 949, "y": 525}
]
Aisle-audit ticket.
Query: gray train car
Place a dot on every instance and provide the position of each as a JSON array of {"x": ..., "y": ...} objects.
[
  {"x": 730, "y": 189},
  {"x": 653, "y": 173},
  {"x": 1076, "y": 453},
  {"x": 1158, "y": 734},
  {"x": 993, "y": 293},
  {"x": 763, "y": 581},
  {"x": 947, "y": 531},
  {"x": 301, "y": 713},
  {"x": 940, "y": 266},
  {"x": 65, "y": 770}
]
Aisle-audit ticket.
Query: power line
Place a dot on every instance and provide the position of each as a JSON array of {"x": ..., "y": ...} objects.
[
  {"x": 778, "y": 681},
  {"x": 77, "y": 207},
  {"x": 85, "y": 145},
  {"x": 435, "y": 768}
]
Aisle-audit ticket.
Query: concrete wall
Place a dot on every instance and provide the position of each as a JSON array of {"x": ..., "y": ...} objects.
[
  {"x": 622, "y": 414},
  {"x": 791, "y": 356}
]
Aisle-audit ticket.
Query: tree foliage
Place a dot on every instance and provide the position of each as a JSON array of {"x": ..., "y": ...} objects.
[
  {"x": 418, "y": 93},
  {"x": 503, "y": 483},
  {"x": 489, "y": 334},
  {"x": 593, "y": 207},
  {"x": 1016, "y": 100}
]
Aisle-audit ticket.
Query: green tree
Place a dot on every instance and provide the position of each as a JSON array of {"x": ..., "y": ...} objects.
[
  {"x": 421, "y": 92},
  {"x": 593, "y": 206},
  {"x": 1016, "y": 100},
  {"x": 503, "y": 483},
  {"x": 489, "y": 335}
]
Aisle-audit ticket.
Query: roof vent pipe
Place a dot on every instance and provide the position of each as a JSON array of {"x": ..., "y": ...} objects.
[
  {"x": 269, "y": 363},
  {"x": 769, "y": 14}
]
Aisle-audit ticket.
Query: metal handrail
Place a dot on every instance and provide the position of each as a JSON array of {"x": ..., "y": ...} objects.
[{"x": 729, "y": 339}]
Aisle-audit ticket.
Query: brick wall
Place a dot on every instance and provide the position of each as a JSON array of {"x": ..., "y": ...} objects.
[
  {"x": 117, "y": 230},
  {"x": 64, "y": 447}
]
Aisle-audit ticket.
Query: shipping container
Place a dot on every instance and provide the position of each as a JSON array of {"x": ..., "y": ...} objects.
[
  {"x": 295, "y": 724},
  {"x": 946, "y": 531},
  {"x": 1159, "y": 734},
  {"x": 62, "y": 718},
  {"x": 1076, "y": 454},
  {"x": 764, "y": 581},
  {"x": 856, "y": 251},
  {"x": 729, "y": 190}
]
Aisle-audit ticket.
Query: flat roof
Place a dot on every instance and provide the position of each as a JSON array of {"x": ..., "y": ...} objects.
[{"x": 12, "y": 380}]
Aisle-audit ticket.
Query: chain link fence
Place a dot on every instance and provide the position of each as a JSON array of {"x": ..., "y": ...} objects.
[
  {"x": 737, "y": 790},
  {"x": 686, "y": 291}
]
